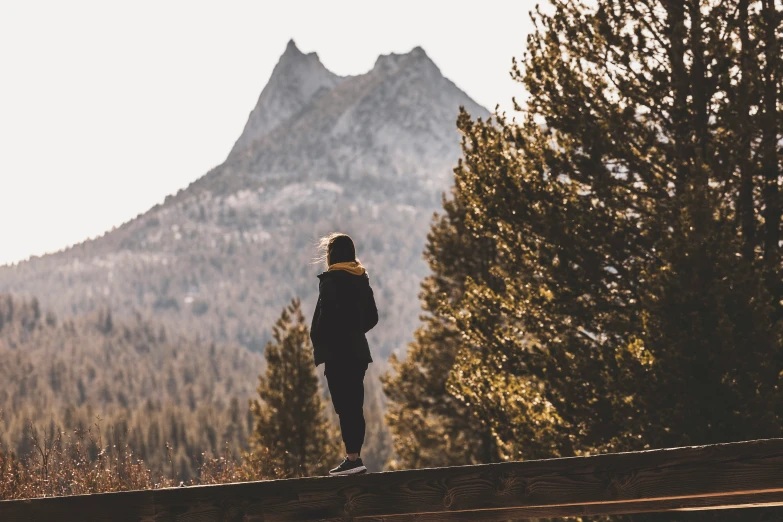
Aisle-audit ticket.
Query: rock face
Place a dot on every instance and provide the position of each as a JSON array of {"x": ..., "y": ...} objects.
[{"x": 368, "y": 155}]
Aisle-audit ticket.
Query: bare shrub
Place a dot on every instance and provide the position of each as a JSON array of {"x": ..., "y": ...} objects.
[{"x": 90, "y": 461}]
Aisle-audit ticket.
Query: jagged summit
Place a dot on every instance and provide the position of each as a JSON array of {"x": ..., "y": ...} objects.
[
  {"x": 292, "y": 52},
  {"x": 291, "y": 48},
  {"x": 300, "y": 79},
  {"x": 417, "y": 55},
  {"x": 295, "y": 79}
]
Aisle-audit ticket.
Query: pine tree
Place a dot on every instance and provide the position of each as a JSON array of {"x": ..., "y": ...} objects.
[
  {"x": 429, "y": 425},
  {"x": 290, "y": 418},
  {"x": 635, "y": 215}
]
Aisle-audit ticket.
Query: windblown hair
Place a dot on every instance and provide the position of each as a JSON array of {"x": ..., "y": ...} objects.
[{"x": 335, "y": 248}]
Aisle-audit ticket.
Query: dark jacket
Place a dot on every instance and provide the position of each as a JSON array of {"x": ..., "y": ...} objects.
[{"x": 344, "y": 313}]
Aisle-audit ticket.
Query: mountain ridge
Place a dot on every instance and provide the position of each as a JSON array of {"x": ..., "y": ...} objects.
[{"x": 369, "y": 155}]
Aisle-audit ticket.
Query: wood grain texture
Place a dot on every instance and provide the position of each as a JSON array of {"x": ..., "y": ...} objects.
[{"x": 743, "y": 474}]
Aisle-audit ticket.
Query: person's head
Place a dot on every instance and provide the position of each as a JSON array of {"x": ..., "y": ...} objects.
[{"x": 337, "y": 248}]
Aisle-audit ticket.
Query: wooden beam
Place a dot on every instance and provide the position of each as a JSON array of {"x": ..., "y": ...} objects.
[{"x": 721, "y": 476}]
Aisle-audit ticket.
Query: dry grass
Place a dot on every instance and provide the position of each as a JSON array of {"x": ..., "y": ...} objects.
[{"x": 89, "y": 461}]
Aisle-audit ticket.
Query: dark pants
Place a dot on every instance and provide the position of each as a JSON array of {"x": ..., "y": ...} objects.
[{"x": 346, "y": 386}]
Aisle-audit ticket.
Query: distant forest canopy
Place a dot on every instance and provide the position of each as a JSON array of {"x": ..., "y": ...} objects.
[
  {"x": 151, "y": 388},
  {"x": 168, "y": 397}
]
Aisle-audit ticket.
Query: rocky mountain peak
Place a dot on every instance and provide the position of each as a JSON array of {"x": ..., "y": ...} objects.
[
  {"x": 293, "y": 55},
  {"x": 295, "y": 80},
  {"x": 393, "y": 61},
  {"x": 292, "y": 49}
]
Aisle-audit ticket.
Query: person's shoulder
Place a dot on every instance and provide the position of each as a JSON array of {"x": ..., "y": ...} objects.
[
  {"x": 330, "y": 278},
  {"x": 342, "y": 277},
  {"x": 361, "y": 279}
]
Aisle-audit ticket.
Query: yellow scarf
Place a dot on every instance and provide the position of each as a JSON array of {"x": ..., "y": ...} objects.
[{"x": 353, "y": 267}]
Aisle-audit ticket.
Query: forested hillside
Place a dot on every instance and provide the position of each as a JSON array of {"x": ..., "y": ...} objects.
[
  {"x": 150, "y": 387},
  {"x": 130, "y": 377}
]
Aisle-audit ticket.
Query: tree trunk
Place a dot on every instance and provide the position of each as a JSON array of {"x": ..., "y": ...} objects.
[
  {"x": 769, "y": 156},
  {"x": 745, "y": 208}
]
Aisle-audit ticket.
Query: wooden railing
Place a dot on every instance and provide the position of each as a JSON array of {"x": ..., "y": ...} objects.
[{"x": 735, "y": 475}]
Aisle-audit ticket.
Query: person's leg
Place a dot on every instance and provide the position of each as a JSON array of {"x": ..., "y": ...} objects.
[
  {"x": 335, "y": 380},
  {"x": 346, "y": 387},
  {"x": 354, "y": 424}
]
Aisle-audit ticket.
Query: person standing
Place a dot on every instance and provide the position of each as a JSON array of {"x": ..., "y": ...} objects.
[{"x": 344, "y": 313}]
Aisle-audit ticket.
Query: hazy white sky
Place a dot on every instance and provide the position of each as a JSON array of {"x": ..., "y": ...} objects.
[{"x": 107, "y": 106}]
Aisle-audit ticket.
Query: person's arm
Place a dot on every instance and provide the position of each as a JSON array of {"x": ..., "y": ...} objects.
[
  {"x": 371, "y": 311},
  {"x": 315, "y": 324}
]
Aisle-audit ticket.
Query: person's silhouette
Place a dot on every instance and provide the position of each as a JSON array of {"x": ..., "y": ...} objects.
[{"x": 345, "y": 312}]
